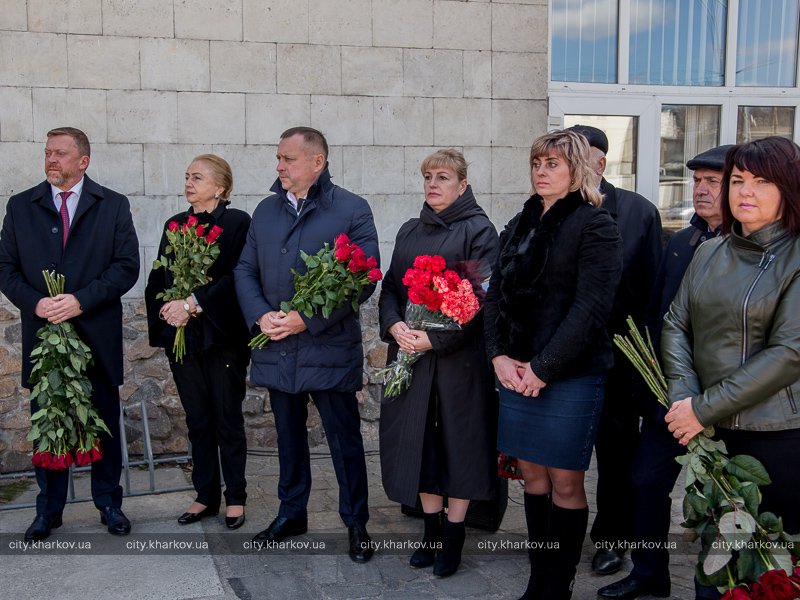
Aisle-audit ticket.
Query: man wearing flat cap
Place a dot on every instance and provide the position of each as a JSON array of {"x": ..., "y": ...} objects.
[
  {"x": 640, "y": 228},
  {"x": 654, "y": 468}
]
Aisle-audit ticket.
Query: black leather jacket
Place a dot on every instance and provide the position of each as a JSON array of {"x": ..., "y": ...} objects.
[{"x": 731, "y": 339}]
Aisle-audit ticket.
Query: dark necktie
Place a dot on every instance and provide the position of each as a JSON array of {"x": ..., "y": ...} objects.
[{"x": 64, "y": 216}]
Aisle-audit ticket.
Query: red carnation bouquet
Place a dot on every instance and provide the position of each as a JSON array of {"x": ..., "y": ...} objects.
[
  {"x": 66, "y": 429},
  {"x": 438, "y": 299},
  {"x": 333, "y": 275},
  {"x": 191, "y": 251}
]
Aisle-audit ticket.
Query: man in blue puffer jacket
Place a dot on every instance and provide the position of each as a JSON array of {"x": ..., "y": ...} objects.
[{"x": 316, "y": 357}]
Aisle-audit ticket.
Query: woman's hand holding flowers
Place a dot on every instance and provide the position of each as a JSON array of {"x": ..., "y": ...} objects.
[
  {"x": 404, "y": 336},
  {"x": 420, "y": 340},
  {"x": 682, "y": 422}
]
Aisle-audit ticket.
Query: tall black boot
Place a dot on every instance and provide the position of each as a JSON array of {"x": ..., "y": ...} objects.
[
  {"x": 537, "y": 517},
  {"x": 568, "y": 527},
  {"x": 431, "y": 541},
  {"x": 449, "y": 557}
]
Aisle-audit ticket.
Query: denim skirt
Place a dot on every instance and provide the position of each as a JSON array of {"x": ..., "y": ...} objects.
[{"x": 555, "y": 429}]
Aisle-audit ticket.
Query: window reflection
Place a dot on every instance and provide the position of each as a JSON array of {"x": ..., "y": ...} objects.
[
  {"x": 686, "y": 131},
  {"x": 756, "y": 122},
  {"x": 584, "y": 41},
  {"x": 767, "y": 43},
  {"x": 622, "y": 133},
  {"x": 677, "y": 42}
]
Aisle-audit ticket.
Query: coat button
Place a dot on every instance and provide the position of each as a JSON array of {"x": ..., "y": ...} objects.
[
  {"x": 284, "y": 250},
  {"x": 54, "y": 230},
  {"x": 283, "y": 353}
]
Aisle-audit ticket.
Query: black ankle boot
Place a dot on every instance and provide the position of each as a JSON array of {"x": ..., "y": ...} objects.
[
  {"x": 449, "y": 557},
  {"x": 431, "y": 541},
  {"x": 568, "y": 527},
  {"x": 537, "y": 517}
]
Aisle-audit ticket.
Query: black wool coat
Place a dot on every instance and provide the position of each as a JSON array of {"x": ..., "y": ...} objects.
[
  {"x": 553, "y": 288},
  {"x": 100, "y": 263},
  {"x": 221, "y": 323},
  {"x": 455, "y": 373}
]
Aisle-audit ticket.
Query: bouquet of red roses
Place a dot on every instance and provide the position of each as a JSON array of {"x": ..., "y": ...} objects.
[
  {"x": 67, "y": 426},
  {"x": 190, "y": 253},
  {"x": 438, "y": 299},
  {"x": 332, "y": 276},
  {"x": 775, "y": 584}
]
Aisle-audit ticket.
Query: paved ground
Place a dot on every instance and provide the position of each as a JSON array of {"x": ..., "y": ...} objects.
[{"x": 164, "y": 561}]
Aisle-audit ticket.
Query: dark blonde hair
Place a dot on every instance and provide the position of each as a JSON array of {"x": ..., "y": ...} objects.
[
  {"x": 222, "y": 172},
  {"x": 447, "y": 158},
  {"x": 80, "y": 139},
  {"x": 574, "y": 149}
]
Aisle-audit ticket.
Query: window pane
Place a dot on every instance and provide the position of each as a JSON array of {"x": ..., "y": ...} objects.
[
  {"x": 622, "y": 133},
  {"x": 767, "y": 44},
  {"x": 677, "y": 42},
  {"x": 755, "y": 122},
  {"x": 584, "y": 41},
  {"x": 686, "y": 131}
]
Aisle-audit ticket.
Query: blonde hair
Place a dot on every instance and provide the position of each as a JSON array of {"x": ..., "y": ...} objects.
[
  {"x": 447, "y": 158},
  {"x": 574, "y": 149},
  {"x": 222, "y": 172}
]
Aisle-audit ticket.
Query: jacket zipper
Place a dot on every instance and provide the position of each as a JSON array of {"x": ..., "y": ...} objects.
[{"x": 762, "y": 266}]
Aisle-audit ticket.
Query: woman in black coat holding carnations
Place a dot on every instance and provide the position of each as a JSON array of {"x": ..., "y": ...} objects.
[
  {"x": 211, "y": 376},
  {"x": 438, "y": 438},
  {"x": 550, "y": 296}
]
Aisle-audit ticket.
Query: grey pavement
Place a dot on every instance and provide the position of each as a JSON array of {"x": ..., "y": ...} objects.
[{"x": 161, "y": 560}]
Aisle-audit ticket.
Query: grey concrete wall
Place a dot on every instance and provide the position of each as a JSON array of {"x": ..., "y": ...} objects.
[{"x": 155, "y": 82}]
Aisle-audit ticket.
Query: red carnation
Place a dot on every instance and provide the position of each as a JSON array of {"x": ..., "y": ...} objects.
[
  {"x": 213, "y": 234},
  {"x": 774, "y": 585},
  {"x": 191, "y": 221},
  {"x": 375, "y": 275},
  {"x": 173, "y": 226},
  {"x": 737, "y": 593},
  {"x": 200, "y": 230}
]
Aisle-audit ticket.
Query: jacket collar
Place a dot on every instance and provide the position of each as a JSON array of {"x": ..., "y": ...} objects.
[
  {"x": 700, "y": 223},
  {"x": 463, "y": 207},
  {"x": 761, "y": 240},
  {"x": 609, "y": 197},
  {"x": 319, "y": 192},
  {"x": 91, "y": 194}
]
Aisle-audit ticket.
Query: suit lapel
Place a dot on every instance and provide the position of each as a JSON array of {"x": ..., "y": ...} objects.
[
  {"x": 43, "y": 196},
  {"x": 90, "y": 194}
]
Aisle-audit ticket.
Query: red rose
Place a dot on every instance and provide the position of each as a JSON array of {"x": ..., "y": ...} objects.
[
  {"x": 42, "y": 459},
  {"x": 358, "y": 260},
  {"x": 737, "y": 593},
  {"x": 795, "y": 576},
  {"x": 213, "y": 234},
  {"x": 375, "y": 275},
  {"x": 774, "y": 585},
  {"x": 173, "y": 226},
  {"x": 185, "y": 228},
  {"x": 372, "y": 262},
  {"x": 342, "y": 253},
  {"x": 200, "y": 230},
  {"x": 95, "y": 453},
  {"x": 191, "y": 221},
  {"x": 82, "y": 458},
  {"x": 341, "y": 240}
]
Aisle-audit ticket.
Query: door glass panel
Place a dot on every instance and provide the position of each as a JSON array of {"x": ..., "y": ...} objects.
[
  {"x": 622, "y": 133},
  {"x": 755, "y": 122},
  {"x": 584, "y": 41},
  {"x": 686, "y": 131},
  {"x": 677, "y": 42},
  {"x": 766, "y": 52}
]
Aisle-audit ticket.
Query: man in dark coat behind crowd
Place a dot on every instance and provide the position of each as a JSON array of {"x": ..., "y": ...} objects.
[
  {"x": 72, "y": 225},
  {"x": 655, "y": 469},
  {"x": 317, "y": 357},
  {"x": 640, "y": 228}
]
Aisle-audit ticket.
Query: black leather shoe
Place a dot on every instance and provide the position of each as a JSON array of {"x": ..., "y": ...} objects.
[
  {"x": 188, "y": 518},
  {"x": 632, "y": 587},
  {"x": 234, "y": 522},
  {"x": 115, "y": 519},
  {"x": 361, "y": 549},
  {"x": 606, "y": 561},
  {"x": 280, "y": 529},
  {"x": 40, "y": 528}
]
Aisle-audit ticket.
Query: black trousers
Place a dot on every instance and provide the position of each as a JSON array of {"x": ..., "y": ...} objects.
[
  {"x": 617, "y": 437},
  {"x": 342, "y": 424},
  {"x": 211, "y": 385},
  {"x": 655, "y": 472},
  {"x": 106, "y": 472}
]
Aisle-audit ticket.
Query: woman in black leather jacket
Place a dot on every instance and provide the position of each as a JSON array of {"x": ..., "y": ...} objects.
[
  {"x": 549, "y": 298},
  {"x": 731, "y": 340}
]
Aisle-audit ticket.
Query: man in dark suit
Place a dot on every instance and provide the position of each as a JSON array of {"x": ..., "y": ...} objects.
[
  {"x": 640, "y": 228},
  {"x": 315, "y": 357},
  {"x": 72, "y": 225}
]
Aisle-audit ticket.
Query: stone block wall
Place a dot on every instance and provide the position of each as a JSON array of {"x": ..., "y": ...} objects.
[{"x": 155, "y": 82}]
